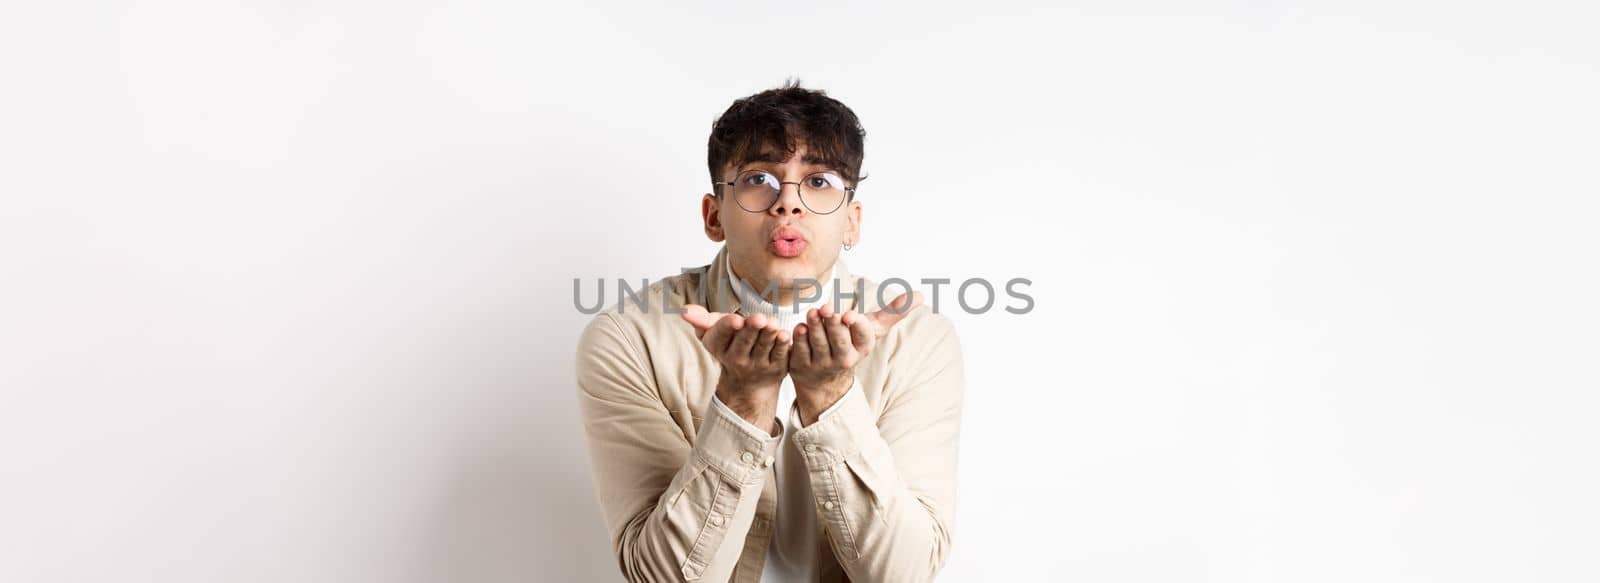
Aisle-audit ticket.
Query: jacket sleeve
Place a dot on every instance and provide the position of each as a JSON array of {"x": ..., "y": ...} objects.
[
  {"x": 885, "y": 484},
  {"x": 675, "y": 511}
]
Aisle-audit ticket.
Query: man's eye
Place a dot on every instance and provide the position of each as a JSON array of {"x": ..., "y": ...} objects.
[
  {"x": 823, "y": 181},
  {"x": 756, "y": 179}
]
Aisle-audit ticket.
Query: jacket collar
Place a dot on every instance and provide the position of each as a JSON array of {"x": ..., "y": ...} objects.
[{"x": 720, "y": 296}]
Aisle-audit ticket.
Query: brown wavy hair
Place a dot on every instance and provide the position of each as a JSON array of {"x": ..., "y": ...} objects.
[{"x": 783, "y": 118}]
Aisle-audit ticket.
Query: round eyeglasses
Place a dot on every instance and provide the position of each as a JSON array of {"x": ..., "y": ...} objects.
[{"x": 757, "y": 190}]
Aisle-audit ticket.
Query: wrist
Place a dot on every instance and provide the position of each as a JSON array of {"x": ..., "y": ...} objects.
[
  {"x": 815, "y": 397},
  {"x": 756, "y": 403}
]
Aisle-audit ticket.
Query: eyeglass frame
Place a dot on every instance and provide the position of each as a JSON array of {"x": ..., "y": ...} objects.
[{"x": 849, "y": 191}]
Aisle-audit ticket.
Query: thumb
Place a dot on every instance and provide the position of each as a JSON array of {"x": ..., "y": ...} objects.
[
  {"x": 896, "y": 310},
  {"x": 698, "y": 317}
]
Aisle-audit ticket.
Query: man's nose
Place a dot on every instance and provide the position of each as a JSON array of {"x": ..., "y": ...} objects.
[{"x": 788, "y": 199}]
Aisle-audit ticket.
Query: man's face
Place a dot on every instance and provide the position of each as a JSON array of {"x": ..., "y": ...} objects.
[{"x": 788, "y": 241}]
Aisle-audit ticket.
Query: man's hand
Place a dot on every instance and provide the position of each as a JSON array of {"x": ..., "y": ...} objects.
[
  {"x": 754, "y": 355},
  {"x": 828, "y": 346}
]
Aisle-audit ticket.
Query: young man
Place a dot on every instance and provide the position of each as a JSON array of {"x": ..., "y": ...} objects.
[{"x": 770, "y": 417}]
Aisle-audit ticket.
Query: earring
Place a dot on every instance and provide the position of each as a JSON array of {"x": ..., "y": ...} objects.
[{"x": 847, "y": 246}]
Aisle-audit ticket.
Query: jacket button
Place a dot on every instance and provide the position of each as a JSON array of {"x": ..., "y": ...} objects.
[
  {"x": 716, "y": 520},
  {"x": 747, "y": 457},
  {"x": 811, "y": 448}
]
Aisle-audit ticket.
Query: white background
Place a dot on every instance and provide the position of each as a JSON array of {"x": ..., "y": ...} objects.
[{"x": 285, "y": 287}]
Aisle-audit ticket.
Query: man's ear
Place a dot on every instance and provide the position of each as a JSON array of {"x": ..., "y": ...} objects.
[
  {"x": 854, "y": 216},
  {"x": 711, "y": 214}
]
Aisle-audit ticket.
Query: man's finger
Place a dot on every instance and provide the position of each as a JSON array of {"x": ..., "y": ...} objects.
[
  {"x": 800, "y": 349},
  {"x": 781, "y": 347},
  {"x": 743, "y": 341},
  {"x": 759, "y": 324},
  {"x": 862, "y": 330},
  {"x": 817, "y": 335},
  {"x": 838, "y": 337},
  {"x": 721, "y": 333},
  {"x": 896, "y": 310},
  {"x": 764, "y": 342}
]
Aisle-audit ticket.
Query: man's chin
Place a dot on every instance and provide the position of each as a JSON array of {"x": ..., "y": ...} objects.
[
  {"x": 780, "y": 267},
  {"x": 785, "y": 270},
  {"x": 788, "y": 277}
]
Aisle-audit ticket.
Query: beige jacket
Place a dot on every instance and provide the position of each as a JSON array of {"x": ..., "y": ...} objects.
[{"x": 688, "y": 492}]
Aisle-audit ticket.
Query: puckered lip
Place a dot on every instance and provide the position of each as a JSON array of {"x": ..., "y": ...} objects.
[{"x": 786, "y": 232}]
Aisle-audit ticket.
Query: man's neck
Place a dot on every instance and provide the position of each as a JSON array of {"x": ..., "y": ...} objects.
[{"x": 785, "y": 296}]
